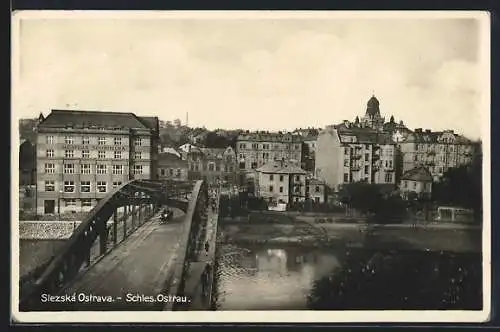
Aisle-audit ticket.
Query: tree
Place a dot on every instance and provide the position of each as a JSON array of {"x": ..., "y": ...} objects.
[
  {"x": 177, "y": 123},
  {"x": 356, "y": 121},
  {"x": 392, "y": 119},
  {"x": 462, "y": 186},
  {"x": 212, "y": 140},
  {"x": 361, "y": 196}
]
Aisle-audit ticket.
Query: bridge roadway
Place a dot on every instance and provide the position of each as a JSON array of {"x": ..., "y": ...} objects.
[{"x": 141, "y": 265}]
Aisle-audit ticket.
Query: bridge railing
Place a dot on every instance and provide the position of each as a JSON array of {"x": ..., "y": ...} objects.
[{"x": 82, "y": 246}]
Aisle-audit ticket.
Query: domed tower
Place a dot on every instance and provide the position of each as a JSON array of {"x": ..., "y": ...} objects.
[{"x": 372, "y": 118}]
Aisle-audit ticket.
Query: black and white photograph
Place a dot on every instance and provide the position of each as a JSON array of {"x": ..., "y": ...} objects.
[{"x": 265, "y": 166}]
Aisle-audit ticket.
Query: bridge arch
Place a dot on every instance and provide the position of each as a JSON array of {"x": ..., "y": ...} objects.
[{"x": 142, "y": 197}]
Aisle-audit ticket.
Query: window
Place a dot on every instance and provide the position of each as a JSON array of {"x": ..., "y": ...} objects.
[
  {"x": 346, "y": 162},
  {"x": 414, "y": 185},
  {"x": 101, "y": 141},
  {"x": 116, "y": 184},
  {"x": 346, "y": 151},
  {"x": 85, "y": 154},
  {"x": 217, "y": 168},
  {"x": 138, "y": 142},
  {"x": 162, "y": 171},
  {"x": 50, "y": 139},
  {"x": 367, "y": 146},
  {"x": 171, "y": 171},
  {"x": 390, "y": 163},
  {"x": 101, "y": 169},
  {"x": 178, "y": 174},
  {"x": 138, "y": 169},
  {"x": 346, "y": 177},
  {"x": 70, "y": 202},
  {"x": 50, "y": 185},
  {"x": 210, "y": 167},
  {"x": 367, "y": 157},
  {"x": 271, "y": 188},
  {"x": 69, "y": 186},
  {"x": 117, "y": 140},
  {"x": 101, "y": 186},
  {"x": 68, "y": 140},
  {"x": 231, "y": 168},
  {"x": 367, "y": 169},
  {"x": 405, "y": 184},
  {"x": 117, "y": 169},
  {"x": 281, "y": 178},
  {"x": 101, "y": 154},
  {"x": 85, "y": 140},
  {"x": 388, "y": 177},
  {"x": 69, "y": 154},
  {"x": 254, "y": 165},
  {"x": 69, "y": 168},
  {"x": 85, "y": 168},
  {"x": 242, "y": 165},
  {"x": 281, "y": 189},
  {"x": 50, "y": 153},
  {"x": 255, "y": 146},
  {"x": 118, "y": 155},
  {"x": 85, "y": 186},
  {"x": 242, "y": 146},
  {"x": 297, "y": 178},
  {"x": 86, "y": 202},
  {"x": 271, "y": 177},
  {"x": 316, "y": 189},
  {"x": 297, "y": 189},
  {"x": 137, "y": 155}
]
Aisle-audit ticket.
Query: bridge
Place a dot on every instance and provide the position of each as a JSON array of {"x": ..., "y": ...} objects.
[{"x": 122, "y": 258}]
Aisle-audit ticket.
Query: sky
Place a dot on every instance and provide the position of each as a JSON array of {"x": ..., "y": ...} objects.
[{"x": 254, "y": 73}]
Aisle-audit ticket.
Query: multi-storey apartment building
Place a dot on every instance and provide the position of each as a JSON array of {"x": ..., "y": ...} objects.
[
  {"x": 437, "y": 151},
  {"x": 83, "y": 155},
  {"x": 281, "y": 182},
  {"x": 255, "y": 149},
  {"x": 351, "y": 154},
  {"x": 212, "y": 165}
]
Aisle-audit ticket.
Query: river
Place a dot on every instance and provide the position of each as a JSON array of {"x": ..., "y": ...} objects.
[{"x": 300, "y": 278}]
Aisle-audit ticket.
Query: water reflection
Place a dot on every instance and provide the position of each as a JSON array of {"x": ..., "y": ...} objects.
[
  {"x": 269, "y": 278},
  {"x": 291, "y": 278}
]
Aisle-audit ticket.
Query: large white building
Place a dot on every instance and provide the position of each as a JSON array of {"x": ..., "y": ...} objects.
[{"x": 82, "y": 156}]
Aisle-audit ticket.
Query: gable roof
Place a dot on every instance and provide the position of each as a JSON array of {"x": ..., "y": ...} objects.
[
  {"x": 86, "y": 119},
  {"x": 278, "y": 167},
  {"x": 420, "y": 174}
]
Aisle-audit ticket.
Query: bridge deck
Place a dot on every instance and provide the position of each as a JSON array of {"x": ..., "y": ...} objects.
[{"x": 139, "y": 266}]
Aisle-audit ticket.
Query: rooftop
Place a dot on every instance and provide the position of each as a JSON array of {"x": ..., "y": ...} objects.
[
  {"x": 420, "y": 174},
  {"x": 266, "y": 136},
  {"x": 166, "y": 158},
  {"x": 280, "y": 167},
  {"x": 97, "y": 119}
]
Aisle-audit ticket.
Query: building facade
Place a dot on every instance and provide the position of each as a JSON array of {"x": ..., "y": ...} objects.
[
  {"x": 172, "y": 167},
  {"x": 216, "y": 166},
  {"x": 255, "y": 149},
  {"x": 417, "y": 182},
  {"x": 82, "y": 156},
  {"x": 437, "y": 151},
  {"x": 316, "y": 190},
  {"x": 354, "y": 155},
  {"x": 281, "y": 182}
]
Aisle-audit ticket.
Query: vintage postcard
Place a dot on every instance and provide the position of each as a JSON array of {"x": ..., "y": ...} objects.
[{"x": 265, "y": 166}]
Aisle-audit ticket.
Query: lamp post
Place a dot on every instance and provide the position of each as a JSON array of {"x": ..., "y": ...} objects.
[{"x": 59, "y": 204}]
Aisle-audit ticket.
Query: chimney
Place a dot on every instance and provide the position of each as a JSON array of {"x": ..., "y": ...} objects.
[{"x": 427, "y": 131}]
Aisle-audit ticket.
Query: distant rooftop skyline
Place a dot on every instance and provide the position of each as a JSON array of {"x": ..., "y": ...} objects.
[{"x": 255, "y": 74}]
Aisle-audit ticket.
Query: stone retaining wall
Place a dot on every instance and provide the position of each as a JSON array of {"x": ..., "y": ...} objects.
[{"x": 47, "y": 230}]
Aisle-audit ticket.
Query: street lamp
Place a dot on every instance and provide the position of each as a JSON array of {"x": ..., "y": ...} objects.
[{"x": 59, "y": 204}]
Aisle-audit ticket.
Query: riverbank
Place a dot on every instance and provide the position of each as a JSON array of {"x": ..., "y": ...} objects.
[{"x": 454, "y": 238}]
